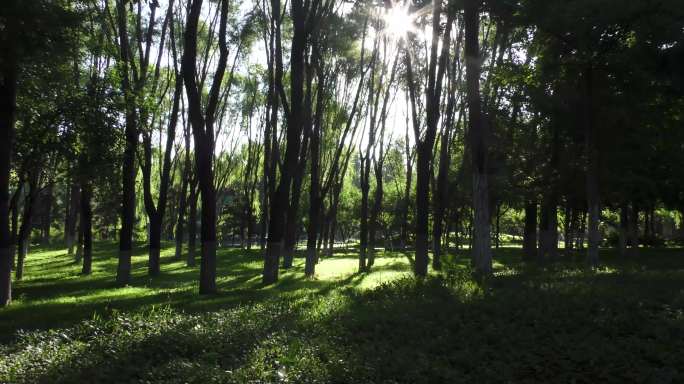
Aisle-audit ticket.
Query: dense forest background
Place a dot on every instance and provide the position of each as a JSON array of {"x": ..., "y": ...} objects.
[{"x": 341, "y": 191}]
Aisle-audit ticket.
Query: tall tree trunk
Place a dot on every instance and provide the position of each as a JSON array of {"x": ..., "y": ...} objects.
[
  {"x": 46, "y": 219},
  {"x": 481, "y": 248},
  {"x": 192, "y": 227},
  {"x": 79, "y": 237},
  {"x": 568, "y": 228},
  {"x": 315, "y": 204},
  {"x": 292, "y": 220},
  {"x": 363, "y": 228},
  {"x": 15, "y": 224},
  {"x": 623, "y": 228},
  {"x": 129, "y": 169},
  {"x": 593, "y": 197},
  {"x": 8, "y": 93},
  {"x": 375, "y": 211},
  {"x": 633, "y": 230},
  {"x": 23, "y": 238},
  {"x": 203, "y": 134},
  {"x": 530, "y": 230},
  {"x": 295, "y": 120},
  {"x": 548, "y": 228},
  {"x": 180, "y": 221},
  {"x": 72, "y": 216},
  {"x": 87, "y": 226},
  {"x": 497, "y": 229}
]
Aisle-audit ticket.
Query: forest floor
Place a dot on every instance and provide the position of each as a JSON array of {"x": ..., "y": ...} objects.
[{"x": 553, "y": 323}]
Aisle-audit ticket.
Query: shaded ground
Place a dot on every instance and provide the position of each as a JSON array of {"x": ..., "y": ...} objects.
[{"x": 556, "y": 323}]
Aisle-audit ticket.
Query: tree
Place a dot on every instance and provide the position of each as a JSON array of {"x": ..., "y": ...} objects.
[
  {"x": 202, "y": 122},
  {"x": 481, "y": 250}
]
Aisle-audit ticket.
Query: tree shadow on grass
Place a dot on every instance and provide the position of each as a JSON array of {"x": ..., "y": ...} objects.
[
  {"x": 566, "y": 328},
  {"x": 56, "y": 294}
]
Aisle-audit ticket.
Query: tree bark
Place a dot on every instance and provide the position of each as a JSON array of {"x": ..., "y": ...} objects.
[
  {"x": 8, "y": 93},
  {"x": 72, "y": 216},
  {"x": 548, "y": 228},
  {"x": 315, "y": 204},
  {"x": 123, "y": 273},
  {"x": 633, "y": 230},
  {"x": 192, "y": 227},
  {"x": 295, "y": 119},
  {"x": 593, "y": 197},
  {"x": 26, "y": 223},
  {"x": 530, "y": 230},
  {"x": 203, "y": 134},
  {"x": 87, "y": 226},
  {"x": 481, "y": 248},
  {"x": 46, "y": 219}
]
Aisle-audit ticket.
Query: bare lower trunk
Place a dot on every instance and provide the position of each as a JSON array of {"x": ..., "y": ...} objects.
[
  {"x": 593, "y": 196},
  {"x": 123, "y": 272},
  {"x": 548, "y": 230},
  {"x": 363, "y": 227},
  {"x": 622, "y": 230},
  {"x": 481, "y": 248},
  {"x": 79, "y": 242},
  {"x": 422, "y": 210},
  {"x": 568, "y": 228},
  {"x": 633, "y": 231},
  {"x": 593, "y": 233},
  {"x": 153, "y": 267},
  {"x": 192, "y": 229},
  {"x": 26, "y": 224},
  {"x": 582, "y": 229},
  {"x": 5, "y": 276},
  {"x": 478, "y": 131},
  {"x": 72, "y": 216},
  {"x": 22, "y": 250},
  {"x": 46, "y": 219},
  {"x": 86, "y": 228},
  {"x": 8, "y": 91},
  {"x": 530, "y": 230}
]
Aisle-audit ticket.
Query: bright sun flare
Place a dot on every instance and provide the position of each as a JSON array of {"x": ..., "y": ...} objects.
[{"x": 398, "y": 21}]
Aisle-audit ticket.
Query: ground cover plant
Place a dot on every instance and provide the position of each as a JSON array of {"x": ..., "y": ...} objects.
[{"x": 560, "y": 323}]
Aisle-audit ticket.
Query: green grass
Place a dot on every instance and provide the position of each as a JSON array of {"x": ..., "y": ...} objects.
[
  {"x": 528, "y": 324},
  {"x": 54, "y": 286}
]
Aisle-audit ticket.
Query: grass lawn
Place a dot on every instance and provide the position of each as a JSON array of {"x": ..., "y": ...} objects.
[{"x": 528, "y": 324}]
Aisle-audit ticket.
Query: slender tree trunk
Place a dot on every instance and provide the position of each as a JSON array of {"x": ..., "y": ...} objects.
[
  {"x": 295, "y": 120},
  {"x": 292, "y": 220},
  {"x": 375, "y": 212},
  {"x": 8, "y": 92},
  {"x": 26, "y": 224},
  {"x": 530, "y": 230},
  {"x": 497, "y": 230},
  {"x": 74, "y": 205},
  {"x": 623, "y": 230},
  {"x": 363, "y": 228},
  {"x": 633, "y": 230},
  {"x": 593, "y": 197},
  {"x": 548, "y": 228},
  {"x": 46, "y": 219},
  {"x": 203, "y": 133},
  {"x": 129, "y": 169},
  {"x": 481, "y": 249},
  {"x": 422, "y": 207},
  {"x": 192, "y": 227},
  {"x": 315, "y": 203},
  {"x": 78, "y": 257},
  {"x": 568, "y": 228},
  {"x": 87, "y": 227},
  {"x": 15, "y": 225}
]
